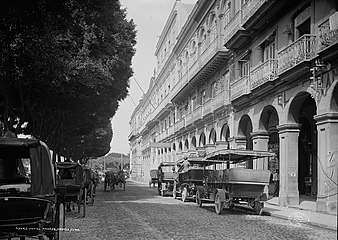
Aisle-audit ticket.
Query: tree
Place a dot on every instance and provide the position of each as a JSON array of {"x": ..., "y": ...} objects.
[{"x": 64, "y": 66}]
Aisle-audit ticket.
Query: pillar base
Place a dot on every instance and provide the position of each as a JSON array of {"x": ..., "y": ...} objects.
[
  {"x": 286, "y": 200},
  {"x": 326, "y": 206}
]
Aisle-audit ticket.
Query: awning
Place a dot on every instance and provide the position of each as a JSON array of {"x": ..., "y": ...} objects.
[{"x": 237, "y": 155}]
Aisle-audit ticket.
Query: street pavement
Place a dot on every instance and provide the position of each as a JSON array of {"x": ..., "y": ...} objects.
[{"x": 139, "y": 213}]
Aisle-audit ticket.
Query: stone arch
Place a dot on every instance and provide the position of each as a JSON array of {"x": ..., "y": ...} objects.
[
  {"x": 174, "y": 147},
  {"x": 180, "y": 146},
  {"x": 302, "y": 110},
  {"x": 186, "y": 145},
  {"x": 202, "y": 140},
  {"x": 193, "y": 142},
  {"x": 245, "y": 129},
  {"x": 225, "y": 133},
  {"x": 334, "y": 99},
  {"x": 212, "y": 136}
]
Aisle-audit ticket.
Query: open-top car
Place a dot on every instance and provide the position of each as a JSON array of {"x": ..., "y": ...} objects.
[
  {"x": 29, "y": 204},
  {"x": 166, "y": 183},
  {"x": 227, "y": 187}
]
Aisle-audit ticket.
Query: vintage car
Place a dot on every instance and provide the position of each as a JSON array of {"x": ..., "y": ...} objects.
[
  {"x": 166, "y": 185},
  {"x": 29, "y": 203},
  {"x": 227, "y": 187}
]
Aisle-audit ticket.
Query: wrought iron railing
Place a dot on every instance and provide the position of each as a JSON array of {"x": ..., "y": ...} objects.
[
  {"x": 250, "y": 7},
  {"x": 265, "y": 72},
  {"x": 327, "y": 36},
  {"x": 303, "y": 49}
]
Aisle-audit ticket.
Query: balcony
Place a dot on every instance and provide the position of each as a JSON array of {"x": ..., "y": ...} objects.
[
  {"x": 303, "y": 49},
  {"x": 328, "y": 35},
  {"x": 250, "y": 8},
  {"x": 208, "y": 107},
  {"x": 180, "y": 124},
  {"x": 234, "y": 35},
  {"x": 239, "y": 87},
  {"x": 263, "y": 73}
]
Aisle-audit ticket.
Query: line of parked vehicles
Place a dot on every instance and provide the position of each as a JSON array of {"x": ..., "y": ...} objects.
[
  {"x": 35, "y": 192},
  {"x": 209, "y": 179}
]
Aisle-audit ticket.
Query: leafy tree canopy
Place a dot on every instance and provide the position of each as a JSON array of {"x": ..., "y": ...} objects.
[{"x": 64, "y": 67}]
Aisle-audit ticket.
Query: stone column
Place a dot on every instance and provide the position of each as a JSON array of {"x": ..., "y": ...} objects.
[
  {"x": 288, "y": 164},
  {"x": 260, "y": 141},
  {"x": 327, "y": 128}
]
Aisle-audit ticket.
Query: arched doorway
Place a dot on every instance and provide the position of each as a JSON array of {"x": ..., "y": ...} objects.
[
  {"x": 225, "y": 134},
  {"x": 212, "y": 136},
  {"x": 186, "y": 145},
  {"x": 193, "y": 141},
  {"x": 244, "y": 136},
  {"x": 303, "y": 110},
  {"x": 202, "y": 140}
]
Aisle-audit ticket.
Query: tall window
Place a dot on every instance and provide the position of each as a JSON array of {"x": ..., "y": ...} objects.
[
  {"x": 213, "y": 89},
  {"x": 302, "y": 23}
]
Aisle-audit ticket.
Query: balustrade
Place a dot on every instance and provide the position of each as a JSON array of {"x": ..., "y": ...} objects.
[
  {"x": 233, "y": 26},
  {"x": 239, "y": 87},
  {"x": 328, "y": 36},
  {"x": 267, "y": 71},
  {"x": 304, "y": 48},
  {"x": 250, "y": 7}
]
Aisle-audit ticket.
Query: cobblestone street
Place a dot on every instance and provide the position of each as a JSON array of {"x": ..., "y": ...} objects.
[{"x": 139, "y": 213}]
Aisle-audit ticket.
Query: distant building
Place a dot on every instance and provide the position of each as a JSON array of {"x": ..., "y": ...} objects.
[{"x": 250, "y": 74}]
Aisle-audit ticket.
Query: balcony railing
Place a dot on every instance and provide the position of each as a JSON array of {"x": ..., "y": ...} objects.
[
  {"x": 328, "y": 35},
  {"x": 233, "y": 26},
  {"x": 208, "y": 107},
  {"x": 303, "y": 49},
  {"x": 179, "y": 124},
  {"x": 239, "y": 87},
  {"x": 265, "y": 72},
  {"x": 250, "y": 7}
]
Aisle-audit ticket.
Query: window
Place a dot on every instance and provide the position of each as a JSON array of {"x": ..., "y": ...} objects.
[
  {"x": 302, "y": 23},
  {"x": 244, "y": 68},
  {"x": 203, "y": 95}
]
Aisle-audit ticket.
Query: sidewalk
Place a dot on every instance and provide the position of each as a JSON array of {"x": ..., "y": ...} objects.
[{"x": 303, "y": 213}]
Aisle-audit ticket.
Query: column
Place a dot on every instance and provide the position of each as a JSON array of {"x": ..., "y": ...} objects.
[
  {"x": 260, "y": 142},
  {"x": 327, "y": 128},
  {"x": 288, "y": 164}
]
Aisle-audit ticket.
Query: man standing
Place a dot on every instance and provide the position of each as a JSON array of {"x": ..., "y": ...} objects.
[
  {"x": 275, "y": 179},
  {"x": 160, "y": 176}
]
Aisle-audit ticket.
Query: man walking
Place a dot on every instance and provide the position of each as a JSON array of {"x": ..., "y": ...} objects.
[{"x": 275, "y": 179}]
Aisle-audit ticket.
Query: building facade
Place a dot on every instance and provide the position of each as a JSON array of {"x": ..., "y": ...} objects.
[{"x": 250, "y": 74}]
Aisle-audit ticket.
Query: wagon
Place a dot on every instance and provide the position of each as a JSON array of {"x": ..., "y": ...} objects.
[
  {"x": 153, "y": 177},
  {"x": 71, "y": 182},
  {"x": 29, "y": 203},
  {"x": 227, "y": 187},
  {"x": 167, "y": 183}
]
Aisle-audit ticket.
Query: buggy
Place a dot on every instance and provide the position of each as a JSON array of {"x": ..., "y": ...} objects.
[
  {"x": 29, "y": 203},
  {"x": 71, "y": 182}
]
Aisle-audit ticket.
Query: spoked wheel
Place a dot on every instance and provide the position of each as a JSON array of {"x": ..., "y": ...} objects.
[
  {"x": 174, "y": 191},
  {"x": 198, "y": 199},
  {"x": 259, "y": 208},
  {"x": 60, "y": 222},
  {"x": 218, "y": 204},
  {"x": 184, "y": 194}
]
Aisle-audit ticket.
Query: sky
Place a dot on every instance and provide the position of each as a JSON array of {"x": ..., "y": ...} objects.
[{"x": 149, "y": 17}]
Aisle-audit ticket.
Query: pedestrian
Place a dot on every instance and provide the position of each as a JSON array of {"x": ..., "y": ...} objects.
[
  {"x": 186, "y": 165},
  {"x": 275, "y": 179}
]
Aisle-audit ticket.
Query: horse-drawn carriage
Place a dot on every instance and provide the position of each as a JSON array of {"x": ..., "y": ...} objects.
[
  {"x": 113, "y": 179},
  {"x": 227, "y": 187},
  {"x": 89, "y": 184},
  {"x": 71, "y": 182},
  {"x": 29, "y": 203}
]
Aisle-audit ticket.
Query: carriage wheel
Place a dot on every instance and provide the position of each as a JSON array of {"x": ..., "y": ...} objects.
[
  {"x": 174, "y": 191},
  {"x": 59, "y": 223},
  {"x": 258, "y": 207},
  {"x": 198, "y": 199},
  {"x": 184, "y": 194},
  {"x": 218, "y": 204}
]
